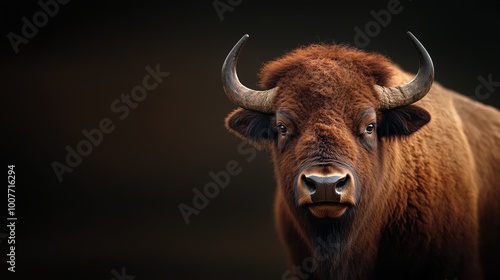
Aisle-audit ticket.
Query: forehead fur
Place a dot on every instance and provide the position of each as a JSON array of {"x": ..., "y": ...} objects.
[{"x": 371, "y": 66}]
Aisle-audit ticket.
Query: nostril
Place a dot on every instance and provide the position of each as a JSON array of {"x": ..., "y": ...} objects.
[
  {"x": 309, "y": 184},
  {"x": 341, "y": 183}
]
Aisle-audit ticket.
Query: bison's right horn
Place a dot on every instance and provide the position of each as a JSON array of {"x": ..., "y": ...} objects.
[
  {"x": 239, "y": 94},
  {"x": 416, "y": 89}
]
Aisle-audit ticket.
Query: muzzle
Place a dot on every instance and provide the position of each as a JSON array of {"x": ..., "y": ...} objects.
[{"x": 326, "y": 189}]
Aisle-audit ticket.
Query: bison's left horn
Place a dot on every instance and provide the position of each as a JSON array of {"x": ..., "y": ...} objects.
[
  {"x": 416, "y": 89},
  {"x": 239, "y": 94}
]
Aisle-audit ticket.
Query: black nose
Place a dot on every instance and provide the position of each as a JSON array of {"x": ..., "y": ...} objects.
[{"x": 325, "y": 188}]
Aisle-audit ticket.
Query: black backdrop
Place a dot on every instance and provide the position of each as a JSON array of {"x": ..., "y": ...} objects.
[{"x": 116, "y": 214}]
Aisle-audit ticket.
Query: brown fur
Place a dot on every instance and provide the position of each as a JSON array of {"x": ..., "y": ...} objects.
[{"x": 429, "y": 191}]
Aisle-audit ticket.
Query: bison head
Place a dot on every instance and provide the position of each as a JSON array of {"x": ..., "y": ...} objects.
[{"x": 327, "y": 117}]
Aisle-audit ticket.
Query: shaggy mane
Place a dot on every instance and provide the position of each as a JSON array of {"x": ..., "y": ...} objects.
[{"x": 371, "y": 65}]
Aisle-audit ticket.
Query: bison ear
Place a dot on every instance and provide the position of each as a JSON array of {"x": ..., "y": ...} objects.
[
  {"x": 255, "y": 127},
  {"x": 403, "y": 121}
]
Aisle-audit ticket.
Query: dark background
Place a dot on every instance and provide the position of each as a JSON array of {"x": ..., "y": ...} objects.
[{"x": 119, "y": 207}]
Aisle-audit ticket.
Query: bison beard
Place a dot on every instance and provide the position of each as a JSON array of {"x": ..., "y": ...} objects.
[{"x": 406, "y": 186}]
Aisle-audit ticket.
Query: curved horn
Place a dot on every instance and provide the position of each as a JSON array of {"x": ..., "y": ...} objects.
[
  {"x": 239, "y": 94},
  {"x": 416, "y": 89}
]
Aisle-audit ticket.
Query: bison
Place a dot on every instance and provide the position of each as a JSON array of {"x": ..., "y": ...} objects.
[{"x": 397, "y": 176}]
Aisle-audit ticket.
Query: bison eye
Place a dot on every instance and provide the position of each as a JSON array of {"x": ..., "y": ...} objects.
[
  {"x": 370, "y": 128},
  {"x": 282, "y": 129}
]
